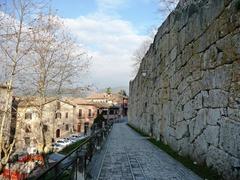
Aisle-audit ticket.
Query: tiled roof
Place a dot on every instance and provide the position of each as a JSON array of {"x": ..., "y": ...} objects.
[
  {"x": 113, "y": 97},
  {"x": 36, "y": 101}
]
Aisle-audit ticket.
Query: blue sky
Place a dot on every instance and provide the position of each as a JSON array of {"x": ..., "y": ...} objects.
[
  {"x": 143, "y": 14},
  {"x": 109, "y": 31}
]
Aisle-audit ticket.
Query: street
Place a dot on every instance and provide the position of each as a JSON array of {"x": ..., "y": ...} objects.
[{"x": 127, "y": 155}]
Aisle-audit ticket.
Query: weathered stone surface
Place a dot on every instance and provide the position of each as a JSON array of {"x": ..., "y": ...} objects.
[
  {"x": 198, "y": 125},
  {"x": 189, "y": 111},
  {"x": 182, "y": 130},
  {"x": 216, "y": 98},
  {"x": 213, "y": 116},
  {"x": 211, "y": 134},
  {"x": 197, "y": 88},
  {"x": 230, "y": 137},
  {"x": 219, "y": 78}
]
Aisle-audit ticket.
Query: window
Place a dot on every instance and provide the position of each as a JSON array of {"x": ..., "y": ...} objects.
[
  {"x": 27, "y": 141},
  {"x": 111, "y": 111},
  {"x": 58, "y": 105},
  {"x": 27, "y": 129},
  {"x": 28, "y": 115},
  {"x": 12, "y": 130},
  {"x": 104, "y": 112},
  {"x": 80, "y": 113},
  {"x": 66, "y": 115},
  {"x": 45, "y": 128},
  {"x": 57, "y": 133},
  {"x": 67, "y": 127},
  {"x": 89, "y": 112},
  {"x": 58, "y": 115}
]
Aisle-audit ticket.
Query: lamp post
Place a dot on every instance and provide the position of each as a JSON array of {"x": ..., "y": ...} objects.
[
  {"x": 145, "y": 72},
  {"x": 122, "y": 108}
]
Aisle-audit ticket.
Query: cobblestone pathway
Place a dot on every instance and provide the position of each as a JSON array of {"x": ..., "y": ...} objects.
[{"x": 129, "y": 156}]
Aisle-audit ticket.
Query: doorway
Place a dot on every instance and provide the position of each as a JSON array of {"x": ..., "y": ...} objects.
[
  {"x": 57, "y": 133},
  {"x": 79, "y": 127}
]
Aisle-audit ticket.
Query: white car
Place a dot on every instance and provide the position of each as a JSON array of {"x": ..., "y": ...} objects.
[
  {"x": 62, "y": 142},
  {"x": 57, "y": 147},
  {"x": 79, "y": 136},
  {"x": 75, "y": 136},
  {"x": 68, "y": 140},
  {"x": 73, "y": 139},
  {"x": 32, "y": 150}
]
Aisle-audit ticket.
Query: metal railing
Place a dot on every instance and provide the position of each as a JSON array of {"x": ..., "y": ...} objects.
[{"x": 73, "y": 165}]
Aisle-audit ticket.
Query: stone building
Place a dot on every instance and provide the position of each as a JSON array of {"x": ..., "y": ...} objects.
[
  {"x": 117, "y": 102},
  {"x": 187, "y": 90},
  {"x": 57, "y": 122},
  {"x": 87, "y": 110},
  {"x": 85, "y": 113}
]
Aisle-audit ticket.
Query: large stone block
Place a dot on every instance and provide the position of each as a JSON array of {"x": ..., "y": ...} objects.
[
  {"x": 211, "y": 134},
  {"x": 230, "y": 137},
  {"x": 219, "y": 78},
  {"x": 216, "y": 98},
  {"x": 198, "y": 124},
  {"x": 223, "y": 162},
  {"x": 184, "y": 146},
  {"x": 182, "y": 130},
  {"x": 200, "y": 149},
  {"x": 198, "y": 101},
  {"x": 189, "y": 110},
  {"x": 213, "y": 116},
  {"x": 196, "y": 87},
  {"x": 230, "y": 46}
]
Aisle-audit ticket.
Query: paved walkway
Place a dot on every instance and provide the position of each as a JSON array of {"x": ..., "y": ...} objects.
[{"x": 129, "y": 156}]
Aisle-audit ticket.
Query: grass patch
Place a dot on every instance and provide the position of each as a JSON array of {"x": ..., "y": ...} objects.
[
  {"x": 138, "y": 131},
  {"x": 71, "y": 147},
  {"x": 200, "y": 169}
]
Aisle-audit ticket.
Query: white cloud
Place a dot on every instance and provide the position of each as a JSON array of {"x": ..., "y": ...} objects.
[
  {"x": 108, "y": 6},
  {"x": 111, "y": 42}
]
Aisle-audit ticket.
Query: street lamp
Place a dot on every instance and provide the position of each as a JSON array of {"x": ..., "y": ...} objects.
[{"x": 145, "y": 73}]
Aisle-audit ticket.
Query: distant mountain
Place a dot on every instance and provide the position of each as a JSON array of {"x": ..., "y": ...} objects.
[
  {"x": 74, "y": 92},
  {"x": 66, "y": 92}
]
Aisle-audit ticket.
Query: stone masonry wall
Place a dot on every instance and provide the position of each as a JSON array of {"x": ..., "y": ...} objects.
[{"x": 190, "y": 97}]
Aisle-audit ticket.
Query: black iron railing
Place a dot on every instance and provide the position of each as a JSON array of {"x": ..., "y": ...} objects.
[{"x": 73, "y": 165}]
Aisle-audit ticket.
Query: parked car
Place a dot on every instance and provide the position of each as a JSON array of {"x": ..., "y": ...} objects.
[
  {"x": 57, "y": 147},
  {"x": 73, "y": 139},
  {"x": 68, "y": 139},
  {"x": 62, "y": 142},
  {"x": 32, "y": 150},
  {"x": 78, "y": 136}
]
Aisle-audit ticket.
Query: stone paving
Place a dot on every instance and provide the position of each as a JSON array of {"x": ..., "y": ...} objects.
[{"x": 129, "y": 156}]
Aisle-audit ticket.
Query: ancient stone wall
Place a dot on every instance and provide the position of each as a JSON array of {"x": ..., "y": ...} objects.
[{"x": 190, "y": 96}]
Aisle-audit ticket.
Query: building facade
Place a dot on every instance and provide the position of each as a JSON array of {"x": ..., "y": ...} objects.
[
  {"x": 57, "y": 122},
  {"x": 85, "y": 113},
  {"x": 115, "y": 102}
]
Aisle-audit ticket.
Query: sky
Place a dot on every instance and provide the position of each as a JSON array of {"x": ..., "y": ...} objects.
[{"x": 110, "y": 31}]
